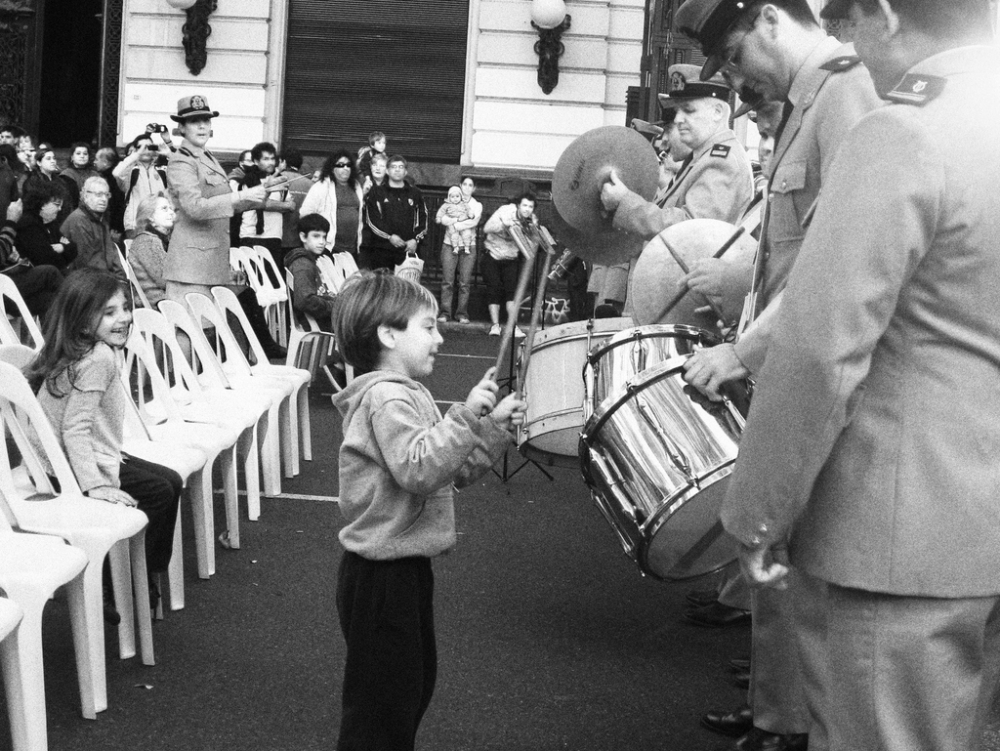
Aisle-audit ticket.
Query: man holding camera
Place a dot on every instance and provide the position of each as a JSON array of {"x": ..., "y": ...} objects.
[{"x": 143, "y": 172}]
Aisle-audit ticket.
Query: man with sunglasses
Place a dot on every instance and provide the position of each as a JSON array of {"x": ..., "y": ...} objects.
[{"x": 775, "y": 50}]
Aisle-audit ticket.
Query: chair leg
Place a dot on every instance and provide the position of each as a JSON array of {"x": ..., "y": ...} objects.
[
  {"x": 305, "y": 424},
  {"x": 121, "y": 580},
  {"x": 204, "y": 521},
  {"x": 249, "y": 454},
  {"x": 288, "y": 416},
  {"x": 175, "y": 571},
  {"x": 270, "y": 451},
  {"x": 232, "y": 500},
  {"x": 17, "y": 708},
  {"x": 140, "y": 584},
  {"x": 86, "y": 669}
]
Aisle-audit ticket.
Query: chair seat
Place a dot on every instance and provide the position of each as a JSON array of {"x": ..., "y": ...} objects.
[
  {"x": 10, "y": 616},
  {"x": 38, "y": 560},
  {"x": 181, "y": 457}
]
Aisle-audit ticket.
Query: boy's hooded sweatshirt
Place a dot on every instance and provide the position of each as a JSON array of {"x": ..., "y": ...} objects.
[{"x": 398, "y": 462}]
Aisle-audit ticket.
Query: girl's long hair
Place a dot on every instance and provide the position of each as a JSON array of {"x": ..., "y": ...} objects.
[{"x": 69, "y": 326}]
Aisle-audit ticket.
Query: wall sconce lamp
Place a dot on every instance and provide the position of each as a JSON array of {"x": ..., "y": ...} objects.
[
  {"x": 196, "y": 31},
  {"x": 549, "y": 19}
]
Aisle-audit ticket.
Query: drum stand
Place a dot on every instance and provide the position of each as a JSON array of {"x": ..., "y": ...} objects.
[{"x": 515, "y": 379}]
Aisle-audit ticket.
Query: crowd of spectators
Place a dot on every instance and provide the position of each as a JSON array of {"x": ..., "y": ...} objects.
[{"x": 104, "y": 205}]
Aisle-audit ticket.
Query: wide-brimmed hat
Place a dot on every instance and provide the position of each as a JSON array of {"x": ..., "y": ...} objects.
[
  {"x": 685, "y": 84},
  {"x": 192, "y": 106}
]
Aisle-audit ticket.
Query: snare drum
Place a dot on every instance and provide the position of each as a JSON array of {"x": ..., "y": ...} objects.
[
  {"x": 657, "y": 458},
  {"x": 553, "y": 389},
  {"x": 611, "y": 364}
]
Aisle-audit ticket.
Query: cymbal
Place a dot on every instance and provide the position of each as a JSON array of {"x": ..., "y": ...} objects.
[
  {"x": 656, "y": 273},
  {"x": 606, "y": 247},
  {"x": 585, "y": 166}
]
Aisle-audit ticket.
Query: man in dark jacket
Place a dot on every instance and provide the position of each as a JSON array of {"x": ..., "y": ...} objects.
[
  {"x": 397, "y": 218},
  {"x": 88, "y": 228}
]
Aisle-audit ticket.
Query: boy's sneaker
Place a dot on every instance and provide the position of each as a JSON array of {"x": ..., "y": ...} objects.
[
  {"x": 454, "y": 251},
  {"x": 442, "y": 318},
  {"x": 463, "y": 319},
  {"x": 518, "y": 334},
  {"x": 466, "y": 251},
  {"x": 494, "y": 330}
]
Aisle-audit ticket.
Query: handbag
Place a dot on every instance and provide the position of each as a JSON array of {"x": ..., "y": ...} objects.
[{"x": 411, "y": 268}]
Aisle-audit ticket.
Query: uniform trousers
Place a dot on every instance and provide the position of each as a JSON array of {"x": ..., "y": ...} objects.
[
  {"x": 387, "y": 617},
  {"x": 908, "y": 673},
  {"x": 786, "y": 658},
  {"x": 157, "y": 490}
]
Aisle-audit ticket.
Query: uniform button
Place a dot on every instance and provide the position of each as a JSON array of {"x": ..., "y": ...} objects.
[{"x": 784, "y": 184}]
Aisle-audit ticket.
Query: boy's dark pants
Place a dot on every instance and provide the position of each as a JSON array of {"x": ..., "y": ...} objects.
[{"x": 387, "y": 615}]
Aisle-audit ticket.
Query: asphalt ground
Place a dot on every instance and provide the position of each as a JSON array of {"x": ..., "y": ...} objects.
[{"x": 548, "y": 636}]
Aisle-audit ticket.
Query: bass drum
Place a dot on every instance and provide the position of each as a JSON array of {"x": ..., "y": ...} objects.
[
  {"x": 657, "y": 458},
  {"x": 553, "y": 389},
  {"x": 615, "y": 362}
]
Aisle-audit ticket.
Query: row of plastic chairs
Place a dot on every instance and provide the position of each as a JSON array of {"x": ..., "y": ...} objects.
[{"x": 186, "y": 448}]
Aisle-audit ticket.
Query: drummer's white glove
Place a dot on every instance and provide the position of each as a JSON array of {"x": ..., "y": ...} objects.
[
  {"x": 613, "y": 191},
  {"x": 708, "y": 369},
  {"x": 764, "y": 565}
]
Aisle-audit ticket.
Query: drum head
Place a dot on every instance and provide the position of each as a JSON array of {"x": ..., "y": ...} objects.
[{"x": 656, "y": 275}]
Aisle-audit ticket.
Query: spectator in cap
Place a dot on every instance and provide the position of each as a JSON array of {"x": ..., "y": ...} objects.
[{"x": 198, "y": 256}]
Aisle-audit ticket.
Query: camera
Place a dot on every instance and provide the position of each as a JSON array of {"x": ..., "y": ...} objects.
[{"x": 156, "y": 128}]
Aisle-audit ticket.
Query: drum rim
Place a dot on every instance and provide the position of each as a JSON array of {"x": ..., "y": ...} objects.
[
  {"x": 544, "y": 337},
  {"x": 647, "y": 332}
]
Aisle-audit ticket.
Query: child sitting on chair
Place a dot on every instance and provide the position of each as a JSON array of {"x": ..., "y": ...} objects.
[
  {"x": 398, "y": 463},
  {"x": 453, "y": 211},
  {"x": 310, "y": 294}
]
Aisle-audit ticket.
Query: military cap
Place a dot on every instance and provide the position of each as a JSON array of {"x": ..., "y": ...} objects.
[
  {"x": 685, "y": 84},
  {"x": 707, "y": 22},
  {"x": 192, "y": 106}
]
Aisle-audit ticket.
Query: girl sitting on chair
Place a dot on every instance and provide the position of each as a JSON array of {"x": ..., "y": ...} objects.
[{"x": 76, "y": 376}]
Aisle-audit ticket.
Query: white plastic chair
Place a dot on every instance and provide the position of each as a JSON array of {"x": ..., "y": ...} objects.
[
  {"x": 258, "y": 409},
  {"x": 336, "y": 269},
  {"x": 241, "y": 376},
  {"x": 269, "y": 297},
  {"x": 227, "y": 302},
  {"x": 304, "y": 341},
  {"x": 139, "y": 296},
  {"x": 168, "y": 425},
  {"x": 275, "y": 280},
  {"x": 96, "y": 527},
  {"x": 19, "y": 309},
  {"x": 32, "y": 567},
  {"x": 10, "y": 665}
]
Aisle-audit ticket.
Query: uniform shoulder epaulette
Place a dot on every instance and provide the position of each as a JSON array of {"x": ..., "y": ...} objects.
[
  {"x": 844, "y": 62},
  {"x": 185, "y": 151},
  {"x": 720, "y": 149},
  {"x": 917, "y": 89}
]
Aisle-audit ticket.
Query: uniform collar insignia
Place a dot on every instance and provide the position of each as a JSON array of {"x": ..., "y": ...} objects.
[
  {"x": 844, "y": 62},
  {"x": 917, "y": 89}
]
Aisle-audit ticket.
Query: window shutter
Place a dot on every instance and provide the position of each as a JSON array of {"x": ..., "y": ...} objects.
[{"x": 354, "y": 66}]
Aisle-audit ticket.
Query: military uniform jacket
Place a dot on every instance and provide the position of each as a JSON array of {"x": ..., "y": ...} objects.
[
  {"x": 875, "y": 432},
  {"x": 199, "y": 244},
  {"x": 716, "y": 184},
  {"x": 829, "y": 94}
]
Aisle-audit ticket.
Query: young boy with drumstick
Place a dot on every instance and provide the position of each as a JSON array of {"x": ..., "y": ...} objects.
[{"x": 398, "y": 463}]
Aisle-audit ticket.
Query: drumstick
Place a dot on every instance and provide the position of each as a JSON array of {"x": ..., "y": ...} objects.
[
  {"x": 541, "y": 234},
  {"x": 718, "y": 254},
  {"x": 522, "y": 287}
]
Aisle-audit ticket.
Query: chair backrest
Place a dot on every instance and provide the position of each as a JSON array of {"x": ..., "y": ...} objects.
[
  {"x": 24, "y": 418},
  {"x": 267, "y": 261},
  {"x": 149, "y": 328},
  {"x": 138, "y": 294},
  {"x": 293, "y": 314},
  {"x": 252, "y": 264},
  {"x": 204, "y": 362},
  {"x": 9, "y": 291},
  {"x": 205, "y": 313},
  {"x": 226, "y": 301}
]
